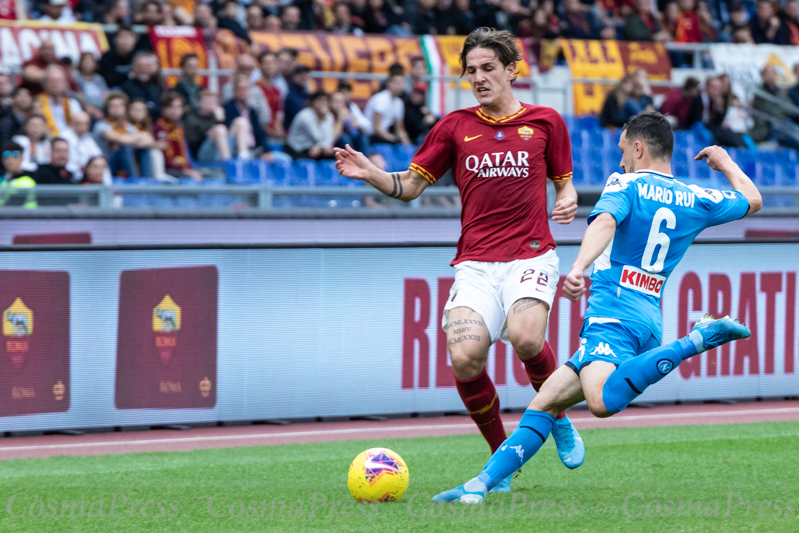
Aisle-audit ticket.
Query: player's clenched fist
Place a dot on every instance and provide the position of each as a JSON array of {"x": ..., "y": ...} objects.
[
  {"x": 717, "y": 157},
  {"x": 565, "y": 210},
  {"x": 574, "y": 285},
  {"x": 352, "y": 163}
]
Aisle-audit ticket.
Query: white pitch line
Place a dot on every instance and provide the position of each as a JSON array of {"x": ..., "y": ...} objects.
[{"x": 371, "y": 430}]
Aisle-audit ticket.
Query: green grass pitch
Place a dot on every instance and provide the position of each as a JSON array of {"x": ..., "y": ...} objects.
[{"x": 746, "y": 478}]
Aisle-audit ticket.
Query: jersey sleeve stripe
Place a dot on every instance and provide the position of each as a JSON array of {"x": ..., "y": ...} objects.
[
  {"x": 562, "y": 177},
  {"x": 425, "y": 174}
]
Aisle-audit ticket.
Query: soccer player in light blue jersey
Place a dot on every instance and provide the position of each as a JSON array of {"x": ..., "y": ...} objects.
[{"x": 639, "y": 230}]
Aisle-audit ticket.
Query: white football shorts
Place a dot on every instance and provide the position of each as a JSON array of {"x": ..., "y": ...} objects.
[{"x": 492, "y": 288}]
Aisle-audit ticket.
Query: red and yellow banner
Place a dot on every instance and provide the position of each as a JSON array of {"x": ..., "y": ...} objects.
[
  {"x": 19, "y": 41},
  {"x": 171, "y": 43},
  {"x": 610, "y": 60}
]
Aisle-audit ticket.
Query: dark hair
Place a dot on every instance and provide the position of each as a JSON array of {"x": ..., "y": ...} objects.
[
  {"x": 89, "y": 163},
  {"x": 169, "y": 98},
  {"x": 396, "y": 69},
  {"x": 317, "y": 95},
  {"x": 265, "y": 53},
  {"x": 690, "y": 84},
  {"x": 416, "y": 59},
  {"x": 149, "y": 3},
  {"x": 124, "y": 28},
  {"x": 502, "y": 42},
  {"x": 56, "y": 140},
  {"x": 11, "y": 146},
  {"x": 17, "y": 90},
  {"x": 115, "y": 96},
  {"x": 83, "y": 56},
  {"x": 144, "y": 125},
  {"x": 186, "y": 57},
  {"x": 290, "y": 51},
  {"x": 344, "y": 85},
  {"x": 654, "y": 130}
]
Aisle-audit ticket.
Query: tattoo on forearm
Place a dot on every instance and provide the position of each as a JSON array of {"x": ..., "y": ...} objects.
[
  {"x": 396, "y": 192},
  {"x": 524, "y": 305},
  {"x": 464, "y": 338},
  {"x": 461, "y": 330},
  {"x": 463, "y": 322}
]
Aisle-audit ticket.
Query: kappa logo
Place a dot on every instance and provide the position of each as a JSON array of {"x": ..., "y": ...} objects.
[
  {"x": 665, "y": 366},
  {"x": 519, "y": 451},
  {"x": 603, "y": 349}
]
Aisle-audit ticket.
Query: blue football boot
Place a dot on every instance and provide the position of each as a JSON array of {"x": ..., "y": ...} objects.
[
  {"x": 473, "y": 491},
  {"x": 571, "y": 449},
  {"x": 717, "y": 331}
]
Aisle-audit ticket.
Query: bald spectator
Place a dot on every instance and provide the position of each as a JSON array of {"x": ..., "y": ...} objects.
[
  {"x": 116, "y": 64},
  {"x": 143, "y": 84},
  {"x": 82, "y": 145},
  {"x": 57, "y": 108},
  {"x": 246, "y": 66},
  {"x": 33, "y": 70}
]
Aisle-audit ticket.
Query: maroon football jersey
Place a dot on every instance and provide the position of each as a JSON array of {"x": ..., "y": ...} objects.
[{"x": 500, "y": 166}]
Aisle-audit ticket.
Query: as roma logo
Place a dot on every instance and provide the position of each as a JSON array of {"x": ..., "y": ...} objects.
[
  {"x": 17, "y": 329},
  {"x": 166, "y": 324},
  {"x": 526, "y": 133}
]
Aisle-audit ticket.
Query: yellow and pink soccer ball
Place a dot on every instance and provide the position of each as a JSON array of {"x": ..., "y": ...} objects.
[{"x": 378, "y": 475}]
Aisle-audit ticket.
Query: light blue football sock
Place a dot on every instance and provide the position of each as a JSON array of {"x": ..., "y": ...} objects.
[
  {"x": 523, "y": 443},
  {"x": 633, "y": 376}
]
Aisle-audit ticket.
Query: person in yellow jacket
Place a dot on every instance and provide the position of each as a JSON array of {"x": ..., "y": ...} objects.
[{"x": 15, "y": 178}]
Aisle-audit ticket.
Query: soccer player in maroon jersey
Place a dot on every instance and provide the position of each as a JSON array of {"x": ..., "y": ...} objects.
[{"x": 506, "y": 268}]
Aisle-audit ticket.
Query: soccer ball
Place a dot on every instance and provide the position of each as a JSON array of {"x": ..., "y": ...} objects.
[{"x": 378, "y": 475}]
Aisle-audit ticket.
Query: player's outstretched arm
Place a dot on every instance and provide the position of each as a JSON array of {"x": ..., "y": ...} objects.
[
  {"x": 405, "y": 186},
  {"x": 565, "y": 202},
  {"x": 596, "y": 239},
  {"x": 718, "y": 159}
]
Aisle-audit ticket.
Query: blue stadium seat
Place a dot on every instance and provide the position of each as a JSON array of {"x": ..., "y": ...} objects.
[
  {"x": 328, "y": 174},
  {"x": 387, "y": 151},
  {"x": 239, "y": 172},
  {"x": 283, "y": 171},
  {"x": 588, "y": 123},
  {"x": 306, "y": 173},
  {"x": 403, "y": 155}
]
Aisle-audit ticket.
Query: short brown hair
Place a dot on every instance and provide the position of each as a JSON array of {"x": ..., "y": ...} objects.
[
  {"x": 502, "y": 42},
  {"x": 115, "y": 96},
  {"x": 170, "y": 97}
]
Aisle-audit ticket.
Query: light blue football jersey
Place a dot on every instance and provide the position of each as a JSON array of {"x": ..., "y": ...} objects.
[{"x": 657, "y": 218}]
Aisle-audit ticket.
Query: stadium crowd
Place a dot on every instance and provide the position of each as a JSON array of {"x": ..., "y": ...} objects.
[{"x": 116, "y": 117}]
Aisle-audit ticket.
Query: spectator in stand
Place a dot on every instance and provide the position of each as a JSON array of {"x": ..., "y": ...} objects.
[
  {"x": 124, "y": 145},
  {"x": 643, "y": 91},
  {"x": 187, "y": 86},
  {"x": 96, "y": 172},
  {"x": 579, "y": 23},
  {"x": 459, "y": 19},
  {"x": 298, "y": 95},
  {"x": 55, "y": 172},
  {"x": 82, "y": 145},
  {"x": 707, "y": 25},
  {"x": 641, "y": 24},
  {"x": 620, "y": 104},
  {"x": 543, "y": 26},
  {"x": 34, "y": 142},
  {"x": 793, "y": 92},
  {"x": 6, "y": 93},
  {"x": 417, "y": 72},
  {"x": 683, "y": 106},
  {"x": 253, "y": 141},
  {"x": 743, "y": 36},
  {"x": 312, "y": 131},
  {"x": 345, "y": 89},
  {"x": 273, "y": 24},
  {"x": 687, "y": 29},
  {"x": 150, "y": 14},
  {"x": 738, "y": 17},
  {"x": 204, "y": 17},
  {"x": 715, "y": 110},
  {"x": 12, "y": 122},
  {"x": 143, "y": 83},
  {"x": 350, "y": 131},
  {"x": 170, "y": 138},
  {"x": 267, "y": 62},
  {"x": 246, "y": 66},
  {"x": 286, "y": 61},
  {"x": 386, "y": 113},
  {"x": 89, "y": 82},
  {"x": 255, "y": 18},
  {"x": 790, "y": 17},
  {"x": 379, "y": 18},
  {"x": 16, "y": 177},
  {"x": 342, "y": 22},
  {"x": 359, "y": 11},
  {"x": 766, "y": 26},
  {"x": 57, "y": 108},
  {"x": 291, "y": 18},
  {"x": 117, "y": 63},
  {"x": 418, "y": 119},
  {"x": 139, "y": 117},
  {"x": 56, "y": 11},
  {"x": 33, "y": 70},
  {"x": 424, "y": 21},
  {"x": 114, "y": 12},
  {"x": 777, "y": 108},
  {"x": 208, "y": 137},
  {"x": 227, "y": 19}
]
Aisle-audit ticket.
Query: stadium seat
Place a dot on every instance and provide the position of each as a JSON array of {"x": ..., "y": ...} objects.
[
  {"x": 403, "y": 155},
  {"x": 239, "y": 172},
  {"x": 387, "y": 151},
  {"x": 283, "y": 172},
  {"x": 589, "y": 123},
  {"x": 306, "y": 173}
]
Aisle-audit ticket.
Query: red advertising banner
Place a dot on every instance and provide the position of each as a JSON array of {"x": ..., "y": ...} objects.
[
  {"x": 652, "y": 57},
  {"x": 34, "y": 364},
  {"x": 19, "y": 41},
  {"x": 171, "y": 43},
  {"x": 166, "y": 347}
]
